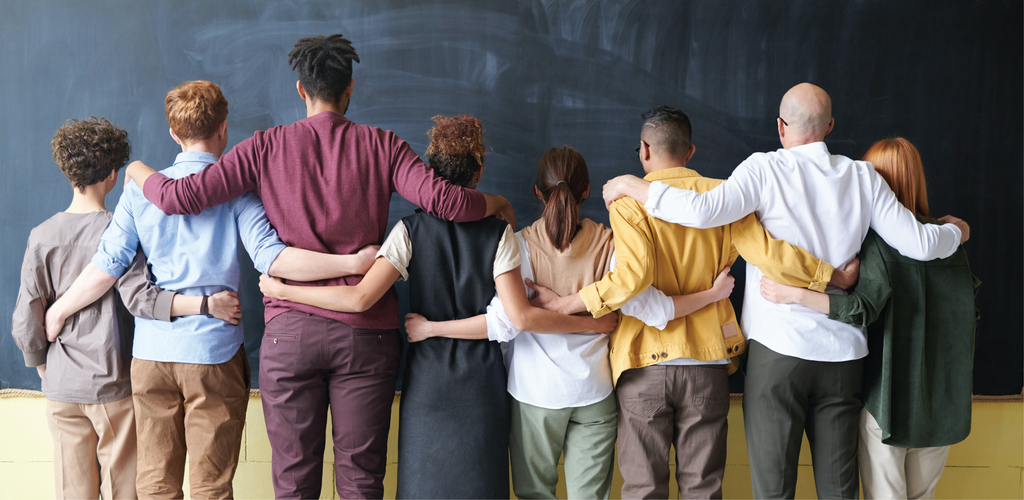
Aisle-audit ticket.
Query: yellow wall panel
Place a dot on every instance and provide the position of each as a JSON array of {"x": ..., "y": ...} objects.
[{"x": 989, "y": 464}]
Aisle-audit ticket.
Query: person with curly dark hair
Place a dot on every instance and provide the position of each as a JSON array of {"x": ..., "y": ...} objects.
[
  {"x": 85, "y": 376},
  {"x": 455, "y": 412},
  {"x": 326, "y": 183}
]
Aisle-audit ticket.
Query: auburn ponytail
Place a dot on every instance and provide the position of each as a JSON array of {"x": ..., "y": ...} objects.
[{"x": 562, "y": 180}]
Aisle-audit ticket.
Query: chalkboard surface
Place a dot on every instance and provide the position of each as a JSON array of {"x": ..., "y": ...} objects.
[{"x": 946, "y": 75}]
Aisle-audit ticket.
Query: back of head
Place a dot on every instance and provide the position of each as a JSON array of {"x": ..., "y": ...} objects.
[
  {"x": 667, "y": 131},
  {"x": 807, "y": 109},
  {"x": 195, "y": 110},
  {"x": 324, "y": 64},
  {"x": 562, "y": 180},
  {"x": 88, "y": 150},
  {"x": 456, "y": 150},
  {"x": 899, "y": 163}
]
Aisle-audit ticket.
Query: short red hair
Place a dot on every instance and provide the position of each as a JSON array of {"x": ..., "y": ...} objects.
[
  {"x": 899, "y": 163},
  {"x": 195, "y": 109}
]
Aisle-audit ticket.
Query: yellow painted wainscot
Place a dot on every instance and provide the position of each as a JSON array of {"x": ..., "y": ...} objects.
[{"x": 989, "y": 464}]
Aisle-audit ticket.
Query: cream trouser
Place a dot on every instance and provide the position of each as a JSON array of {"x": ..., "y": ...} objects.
[
  {"x": 93, "y": 449},
  {"x": 892, "y": 472}
]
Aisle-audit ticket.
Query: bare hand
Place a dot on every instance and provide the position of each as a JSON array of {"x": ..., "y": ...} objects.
[
  {"x": 545, "y": 299},
  {"x": 965, "y": 230},
  {"x": 54, "y": 323},
  {"x": 138, "y": 172},
  {"x": 271, "y": 286},
  {"x": 607, "y": 323},
  {"x": 724, "y": 283},
  {"x": 508, "y": 215},
  {"x": 365, "y": 258},
  {"x": 625, "y": 185},
  {"x": 41, "y": 370},
  {"x": 225, "y": 306},
  {"x": 417, "y": 327},
  {"x": 846, "y": 278},
  {"x": 777, "y": 292}
]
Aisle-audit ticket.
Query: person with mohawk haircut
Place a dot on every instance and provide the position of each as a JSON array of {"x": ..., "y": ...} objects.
[{"x": 326, "y": 183}]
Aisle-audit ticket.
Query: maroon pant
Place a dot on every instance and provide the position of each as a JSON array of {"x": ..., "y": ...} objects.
[{"x": 307, "y": 364}]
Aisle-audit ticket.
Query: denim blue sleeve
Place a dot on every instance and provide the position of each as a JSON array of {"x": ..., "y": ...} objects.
[
  {"x": 121, "y": 239},
  {"x": 258, "y": 236}
]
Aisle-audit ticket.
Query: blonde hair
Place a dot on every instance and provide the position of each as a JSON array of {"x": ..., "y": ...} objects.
[
  {"x": 195, "y": 109},
  {"x": 899, "y": 163}
]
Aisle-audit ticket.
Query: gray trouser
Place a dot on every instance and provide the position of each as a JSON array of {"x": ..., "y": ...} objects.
[
  {"x": 661, "y": 406},
  {"x": 785, "y": 396}
]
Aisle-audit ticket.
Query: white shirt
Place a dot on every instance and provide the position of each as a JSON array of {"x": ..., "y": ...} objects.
[
  {"x": 570, "y": 370},
  {"x": 822, "y": 202}
]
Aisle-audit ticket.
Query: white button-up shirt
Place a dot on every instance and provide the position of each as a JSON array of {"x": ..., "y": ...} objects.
[{"x": 822, "y": 202}]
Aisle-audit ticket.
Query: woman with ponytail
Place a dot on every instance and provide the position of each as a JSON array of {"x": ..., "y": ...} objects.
[
  {"x": 454, "y": 414},
  {"x": 561, "y": 385}
]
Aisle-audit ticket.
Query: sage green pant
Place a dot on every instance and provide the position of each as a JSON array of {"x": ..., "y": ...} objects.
[{"x": 585, "y": 434}]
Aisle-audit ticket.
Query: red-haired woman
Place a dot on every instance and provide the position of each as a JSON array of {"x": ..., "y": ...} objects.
[
  {"x": 921, "y": 323},
  {"x": 561, "y": 385},
  {"x": 454, "y": 415}
]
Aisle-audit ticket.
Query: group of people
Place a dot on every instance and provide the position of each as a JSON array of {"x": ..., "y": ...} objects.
[{"x": 561, "y": 339}]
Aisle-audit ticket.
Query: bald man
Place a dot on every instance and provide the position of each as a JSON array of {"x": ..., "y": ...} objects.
[{"x": 803, "y": 370}]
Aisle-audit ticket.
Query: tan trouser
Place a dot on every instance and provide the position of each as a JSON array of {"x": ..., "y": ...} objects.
[
  {"x": 682, "y": 406},
  {"x": 193, "y": 408},
  {"x": 93, "y": 449},
  {"x": 892, "y": 472}
]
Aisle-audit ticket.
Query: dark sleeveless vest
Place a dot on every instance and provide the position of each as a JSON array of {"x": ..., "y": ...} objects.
[{"x": 455, "y": 409}]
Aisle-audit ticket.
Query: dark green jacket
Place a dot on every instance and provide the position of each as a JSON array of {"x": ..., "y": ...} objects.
[{"x": 921, "y": 322}]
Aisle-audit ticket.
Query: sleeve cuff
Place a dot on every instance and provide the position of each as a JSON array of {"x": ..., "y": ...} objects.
[
  {"x": 654, "y": 193},
  {"x": 591, "y": 299},
  {"x": 162, "y": 308},
  {"x": 822, "y": 276},
  {"x": 108, "y": 265},
  {"x": 271, "y": 253},
  {"x": 35, "y": 358},
  {"x": 499, "y": 326}
]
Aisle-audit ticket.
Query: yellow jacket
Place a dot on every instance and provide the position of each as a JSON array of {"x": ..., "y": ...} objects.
[{"x": 680, "y": 260}]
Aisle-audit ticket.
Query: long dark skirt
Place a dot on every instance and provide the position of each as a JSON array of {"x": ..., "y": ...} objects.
[{"x": 454, "y": 421}]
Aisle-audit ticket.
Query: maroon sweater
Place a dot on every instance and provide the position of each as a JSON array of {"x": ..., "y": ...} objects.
[{"x": 326, "y": 183}]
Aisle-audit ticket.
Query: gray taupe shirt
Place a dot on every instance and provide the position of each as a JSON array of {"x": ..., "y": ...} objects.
[{"x": 90, "y": 361}]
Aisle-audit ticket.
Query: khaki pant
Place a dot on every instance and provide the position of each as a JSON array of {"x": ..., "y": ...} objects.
[
  {"x": 193, "y": 408},
  {"x": 93, "y": 449},
  {"x": 892, "y": 472},
  {"x": 586, "y": 434},
  {"x": 682, "y": 406}
]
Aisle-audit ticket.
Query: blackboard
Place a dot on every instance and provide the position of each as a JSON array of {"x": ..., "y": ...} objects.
[{"x": 946, "y": 75}]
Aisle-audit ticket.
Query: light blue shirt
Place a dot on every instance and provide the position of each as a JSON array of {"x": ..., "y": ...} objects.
[{"x": 192, "y": 255}]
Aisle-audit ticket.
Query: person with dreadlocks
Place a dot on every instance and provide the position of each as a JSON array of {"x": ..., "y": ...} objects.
[
  {"x": 326, "y": 184},
  {"x": 455, "y": 412}
]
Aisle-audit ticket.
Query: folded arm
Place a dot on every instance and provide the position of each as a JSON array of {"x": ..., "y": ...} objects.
[
  {"x": 233, "y": 174},
  {"x": 348, "y": 299},
  {"x": 728, "y": 202},
  {"x": 778, "y": 259},
  {"x": 902, "y": 231}
]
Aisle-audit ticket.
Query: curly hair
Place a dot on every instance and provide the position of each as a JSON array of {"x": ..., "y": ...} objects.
[
  {"x": 456, "y": 148},
  {"x": 195, "y": 109},
  {"x": 88, "y": 150},
  {"x": 324, "y": 64}
]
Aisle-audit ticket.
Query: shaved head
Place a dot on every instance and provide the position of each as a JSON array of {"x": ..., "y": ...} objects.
[{"x": 807, "y": 108}]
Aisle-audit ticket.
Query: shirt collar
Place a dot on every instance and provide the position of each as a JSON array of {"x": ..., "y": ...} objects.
[
  {"x": 195, "y": 156},
  {"x": 671, "y": 173},
  {"x": 814, "y": 147}
]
